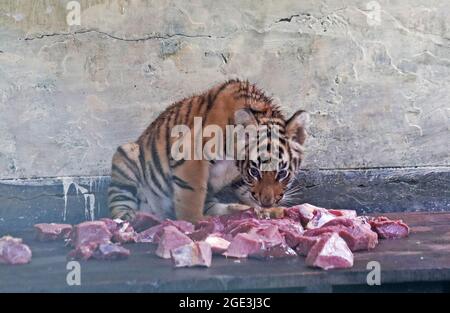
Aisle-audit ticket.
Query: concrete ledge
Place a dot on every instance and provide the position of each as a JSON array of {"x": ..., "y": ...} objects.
[{"x": 25, "y": 202}]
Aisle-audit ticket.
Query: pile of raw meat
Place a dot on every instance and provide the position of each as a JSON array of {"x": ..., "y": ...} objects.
[{"x": 327, "y": 238}]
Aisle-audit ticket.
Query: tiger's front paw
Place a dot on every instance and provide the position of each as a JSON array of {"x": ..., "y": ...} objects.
[
  {"x": 128, "y": 215},
  {"x": 268, "y": 213},
  {"x": 233, "y": 207}
]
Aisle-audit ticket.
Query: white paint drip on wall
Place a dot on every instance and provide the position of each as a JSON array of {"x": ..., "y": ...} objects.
[
  {"x": 89, "y": 197},
  {"x": 94, "y": 184}
]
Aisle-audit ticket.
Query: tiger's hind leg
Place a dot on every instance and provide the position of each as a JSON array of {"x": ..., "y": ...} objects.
[
  {"x": 190, "y": 184},
  {"x": 126, "y": 173}
]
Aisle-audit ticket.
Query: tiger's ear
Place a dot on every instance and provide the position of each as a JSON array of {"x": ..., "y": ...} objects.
[
  {"x": 296, "y": 126},
  {"x": 244, "y": 117}
]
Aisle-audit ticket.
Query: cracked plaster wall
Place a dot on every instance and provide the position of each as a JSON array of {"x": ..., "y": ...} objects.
[{"x": 373, "y": 75}]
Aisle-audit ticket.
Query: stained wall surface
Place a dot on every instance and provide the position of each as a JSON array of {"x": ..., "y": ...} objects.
[{"x": 374, "y": 75}]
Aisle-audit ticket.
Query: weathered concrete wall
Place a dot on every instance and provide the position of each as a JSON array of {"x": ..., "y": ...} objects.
[{"x": 374, "y": 75}]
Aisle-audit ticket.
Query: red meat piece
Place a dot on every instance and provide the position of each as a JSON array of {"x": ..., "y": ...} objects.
[
  {"x": 293, "y": 213},
  {"x": 235, "y": 227},
  {"x": 268, "y": 234},
  {"x": 52, "y": 231},
  {"x": 343, "y": 213},
  {"x": 153, "y": 234},
  {"x": 358, "y": 235},
  {"x": 288, "y": 227},
  {"x": 218, "y": 244},
  {"x": 239, "y": 215},
  {"x": 84, "y": 251},
  {"x": 192, "y": 254},
  {"x": 85, "y": 232},
  {"x": 125, "y": 234},
  {"x": 211, "y": 225},
  {"x": 13, "y": 251},
  {"x": 242, "y": 245},
  {"x": 306, "y": 211},
  {"x": 278, "y": 251},
  {"x": 389, "y": 229},
  {"x": 331, "y": 251},
  {"x": 305, "y": 243},
  {"x": 312, "y": 216},
  {"x": 171, "y": 238},
  {"x": 184, "y": 226},
  {"x": 111, "y": 224},
  {"x": 150, "y": 235},
  {"x": 122, "y": 231},
  {"x": 110, "y": 251},
  {"x": 144, "y": 220},
  {"x": 199, "y": 234},
  {"x": 99, "y": 251}
]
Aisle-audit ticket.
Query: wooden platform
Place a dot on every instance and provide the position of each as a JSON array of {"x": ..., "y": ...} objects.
[{"x": 423, "y": 257}]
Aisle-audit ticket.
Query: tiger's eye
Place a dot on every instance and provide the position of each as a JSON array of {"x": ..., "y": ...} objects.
[
  {"x": 282, "y": 174},
  {"x": 254, "y": 172}
]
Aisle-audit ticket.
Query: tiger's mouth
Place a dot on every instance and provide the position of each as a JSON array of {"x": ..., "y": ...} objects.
[{"x": 270, "y": 204}]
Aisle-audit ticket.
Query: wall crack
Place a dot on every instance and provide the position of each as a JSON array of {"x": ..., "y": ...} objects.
[{"x": 145, "y": 38}]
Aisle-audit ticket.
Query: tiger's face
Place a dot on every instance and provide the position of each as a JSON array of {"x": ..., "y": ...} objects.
[
  {"x": 268, "y": 176},
  {"x": 267, "y": 188}
]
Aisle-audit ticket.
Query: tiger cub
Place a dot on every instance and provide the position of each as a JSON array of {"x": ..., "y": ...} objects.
[{"x": 147, "y": 176}]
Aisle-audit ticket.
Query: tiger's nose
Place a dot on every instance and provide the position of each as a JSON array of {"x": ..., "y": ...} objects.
[{"x": 266, "y": 201}]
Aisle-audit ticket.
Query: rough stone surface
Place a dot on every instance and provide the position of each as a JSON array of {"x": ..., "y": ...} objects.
[{"x": 373, "y": 75}]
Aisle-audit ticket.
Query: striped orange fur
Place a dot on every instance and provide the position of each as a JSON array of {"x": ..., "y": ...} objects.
[{"x": 145, "y": 176}]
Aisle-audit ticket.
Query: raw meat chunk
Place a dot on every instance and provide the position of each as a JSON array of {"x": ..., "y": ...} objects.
[
  {"x": 292, "y": 213},
  {"x": 269, "y": 235},
  {"x": 211, "y": 225},
  {"x": 192, "y": 254},
  {"x": 124, "y": 233},
  {"x": 281, "y": 250},
  {"x": 171, "y": 238},
  {"x": 99, "y": 251},
  {"x": 153, "y": 234},
  {"x": 199, "y": 234},
  {"x": 52, "y": 231},
  {"x": 292, "y": 240},
  {"x": 320, "y": 217},
  {"x": 287, "y": 226},
  {"x": 331, "y": 251},
  {"x": 313, "y": 217},
  {"x": 357, "y": 235},
  {"x": 305, "y": 244},
  {"x": 242, "y": 245},
  {"x": 240, "y": 215},
  {"x": 343, "y": 213},
  {"x": 13, "y": 251},
  {"x": 110, "y": 251},
  {"x": 241, "y": 226},
  {"x": 84, "y": 251},
  {"x": 183, "y": 226},
  {"x": 85, "y": 232},
  {"x": 150, "y": 235},
  {"x": 111, "y": 224},
  {"x": 218, "y": 244},
  {"x": 144, "y": 220},
  {"x": 389, "y": 229},
  {"x": 306, "y": 212}
]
